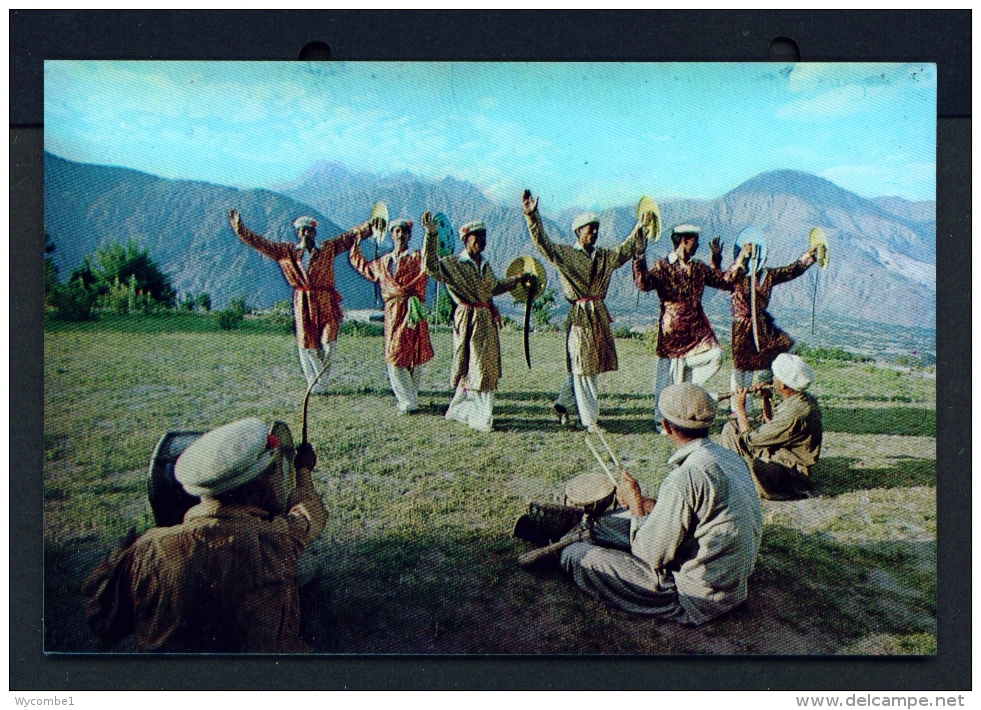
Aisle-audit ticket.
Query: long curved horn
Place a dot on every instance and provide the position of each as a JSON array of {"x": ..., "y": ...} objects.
[{"x": 306, "y": 401}]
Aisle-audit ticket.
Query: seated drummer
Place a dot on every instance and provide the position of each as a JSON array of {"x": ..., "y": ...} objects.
[
  {"x": 223, "y": 581},
  {"x": 782, "y": 450},
  {"x": 687, "y": 557}
]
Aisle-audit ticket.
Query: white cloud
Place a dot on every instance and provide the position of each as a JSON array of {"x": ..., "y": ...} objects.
[{"x": 836, "y": 103}]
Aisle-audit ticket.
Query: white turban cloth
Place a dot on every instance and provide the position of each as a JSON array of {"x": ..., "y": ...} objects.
[{"x": 792, "y": 371}]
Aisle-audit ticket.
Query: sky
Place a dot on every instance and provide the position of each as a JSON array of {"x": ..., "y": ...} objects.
[{"x": 585, "y": 135}]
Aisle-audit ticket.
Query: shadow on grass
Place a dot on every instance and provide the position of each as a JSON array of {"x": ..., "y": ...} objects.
[
  {"x": 550, "y": 395},
  {"x": 65, "y": 567},
  {"x": 840, "y": 474},
  {"x": 906, "y": 421},
  {"x": 506, "y": 423},
  {"x": 845, "y": 590},
  {"x": 461, "y": 591}
]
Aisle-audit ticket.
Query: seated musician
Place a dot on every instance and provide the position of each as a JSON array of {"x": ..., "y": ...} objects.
[
  {"x": 225, "y": 579},
  {"x": 687, "y": 556},
  {"x": 782, "y": 450}
]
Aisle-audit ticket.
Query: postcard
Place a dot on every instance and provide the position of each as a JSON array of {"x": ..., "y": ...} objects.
[{"x": 490, "y": 358}]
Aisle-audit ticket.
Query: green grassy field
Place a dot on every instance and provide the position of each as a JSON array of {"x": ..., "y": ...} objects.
[{"x": 418, "y": 557}]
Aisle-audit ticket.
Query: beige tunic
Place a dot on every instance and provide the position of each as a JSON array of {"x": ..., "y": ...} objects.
[
  {"x": 585, "y": 280},
  {"x": 476, "y": 346},
  {"x": 791, "y": 438}
]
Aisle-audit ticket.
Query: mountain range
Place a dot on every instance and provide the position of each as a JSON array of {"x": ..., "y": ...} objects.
[{"x": 883, "y": 251}]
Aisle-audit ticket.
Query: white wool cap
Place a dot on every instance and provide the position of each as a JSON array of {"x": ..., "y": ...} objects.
[
  {"x": 792, "y": 371},
  {"x": 686, "y": 229},
  {"x": 584, "y": 219},
  {"x": 305, "y": 221},
  {"x": 476, "y": 226},
  {"x": 225, "y": 458}
]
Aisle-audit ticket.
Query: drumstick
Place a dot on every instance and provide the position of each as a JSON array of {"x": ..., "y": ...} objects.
[
  {"x": 616, "y": 461},
  {"x": 599, "y": 458}
]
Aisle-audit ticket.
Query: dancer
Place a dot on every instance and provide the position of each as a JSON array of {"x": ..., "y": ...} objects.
[
  {"x": 687, "y": 349},
  {"x": 472, "y": 284},
  {"x": 585, "y": 271},
  {"x": 309, "y": 269},
  {"x": 403, "y": 289},
  {"x": 751, "y": 365}
]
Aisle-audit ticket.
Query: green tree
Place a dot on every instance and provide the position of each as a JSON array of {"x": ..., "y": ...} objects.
[
  {"x": 203, "y": 301},
  {"x": 230, "y": 317},
  {"x": 543, "y": 307},
  {"x": 127, "y": 264},
  {"x": 74, "y": 301}
]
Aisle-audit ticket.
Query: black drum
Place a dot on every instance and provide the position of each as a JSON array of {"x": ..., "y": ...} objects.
[{"x": 168, "y": 499}]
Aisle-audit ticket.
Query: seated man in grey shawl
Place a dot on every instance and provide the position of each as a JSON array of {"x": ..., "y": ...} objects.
[{"x": 686, "y": 556}]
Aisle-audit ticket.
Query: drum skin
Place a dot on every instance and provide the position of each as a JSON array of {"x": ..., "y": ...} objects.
[{"x": 591, "y": 492}]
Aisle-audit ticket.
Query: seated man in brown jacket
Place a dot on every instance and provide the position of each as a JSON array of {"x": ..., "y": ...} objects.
[
  {"x": 782, "y": 450},
  {"x": 223, "y": 581}
]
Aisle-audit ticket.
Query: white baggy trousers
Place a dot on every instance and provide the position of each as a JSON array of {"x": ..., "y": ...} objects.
[
  {"x": 582, "y": 391},
  {"x": 689, "y": 368},
  {"x": 473, "y": 408},
  {"x": 313, "y": 360},
  {"x": 405, "y": 386}
]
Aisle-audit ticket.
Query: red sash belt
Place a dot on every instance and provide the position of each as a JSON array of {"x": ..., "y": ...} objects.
[
  {"x": 589, "y": 299},
  {"x": 495, "y": 314}
]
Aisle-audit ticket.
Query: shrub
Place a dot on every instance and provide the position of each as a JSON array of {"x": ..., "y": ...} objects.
[
  {"x": 542, "y": 308},
  {"x": 509, "y": 323},
  {"x": 361, "y": 329},
  {"x": 229, "y": 318},
  {"x": 130, "y": 264},
  {"x": 74, "y": 301},
  {"x": 622, "y": 331},
  {"x": 239, "y": 306},
  {"x": 203, "y": 301},
  {"x": 120, "y": 297},
  {"x": 282, "y": 315},
  {"x": 186, "y": 304}
]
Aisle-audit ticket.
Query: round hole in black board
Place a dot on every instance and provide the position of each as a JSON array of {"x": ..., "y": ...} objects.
[
  {"x": 316, "y": 51},
  {"x": 784, "y": 49}
]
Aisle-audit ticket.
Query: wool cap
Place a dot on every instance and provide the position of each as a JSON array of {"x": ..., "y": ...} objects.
[
  {"x": 225, "y": 458},
  {"x": 685, "y": 229},
  {"x": 584, "y": 219},
  {"x": 476, "y": 226},
  {"x": 305, "y": 221},
  {"x": 792, "y": 371},
  {"x": 687, "y": 405},
  {"x": 403, "y": 223}
]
